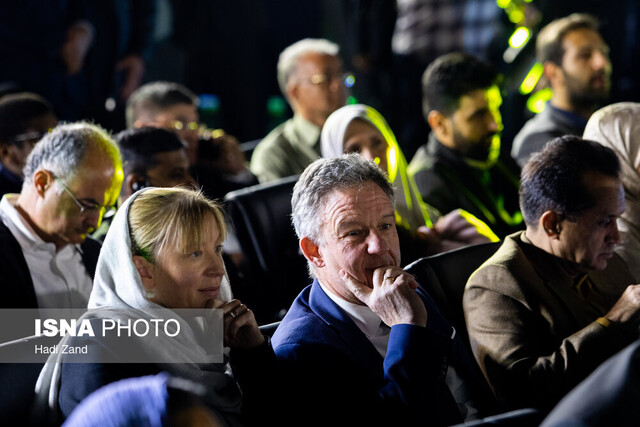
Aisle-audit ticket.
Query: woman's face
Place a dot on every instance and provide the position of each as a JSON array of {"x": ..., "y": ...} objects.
[
  {"x": 192, "y": 279},
  {"x": 365, "y": 139}
]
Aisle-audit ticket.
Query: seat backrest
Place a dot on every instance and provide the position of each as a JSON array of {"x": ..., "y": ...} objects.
[
  {"x": 445, "y": 276},
  {"x": 275, "y": 270}
]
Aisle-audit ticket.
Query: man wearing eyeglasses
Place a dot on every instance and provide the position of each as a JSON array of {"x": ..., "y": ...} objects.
[
  {"x": 24, "y": 119},
  {"x": 72, "y": 180},
  {"x": 310, "y": 76}
]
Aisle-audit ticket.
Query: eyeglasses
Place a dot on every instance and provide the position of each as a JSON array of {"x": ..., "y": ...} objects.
[
  {"x": 180, "y": 125},
  {"x": 105, "y": 211},
  {"x": 348, "y": 79}
]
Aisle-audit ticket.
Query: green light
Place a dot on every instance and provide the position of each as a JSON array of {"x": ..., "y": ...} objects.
[
  {"x": 537, "y": 100},
  {"x": 276, "y": 106},
  {"x": 519, "y": 37},
  {"x": 516, "y": 16},
  {"x": 351, "y": 100},
  {"x": 503, "y": 4},
  {"x": 531, "y": 79}
]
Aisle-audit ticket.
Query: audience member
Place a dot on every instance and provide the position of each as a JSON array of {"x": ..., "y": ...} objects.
[
  {"x": 616, "y": 127},
  {"x": 151, "y": 401},
  {"x": 365, "y": 332},
  {"x": 577, "y": 67},
  {"x": 173, "y": 107},
  {"x": 555, "y": 301},
  {"x": 163, "y": 252},
  {"x": 152, "y": 157},
  {"x": 24, "y": 119},
  {"x": 311, "y": 78},
  {"x": 460, "y": 167},
  {"x": 72, "y": 179},
  {"x": 422, "y": 229}
]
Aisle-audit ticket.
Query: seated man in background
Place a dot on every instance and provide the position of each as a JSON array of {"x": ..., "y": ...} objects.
[
  {"x": 460, "y": 166},
  {"x": 24, "y": 119},
  {"x": 72, "y": 177},
  {"x": 151, "y": 157},
  {"x": 555, "y": 301},
  {"x": 215, "y": 159},
  {"x": 365, "y": 332},
  {"x": 577, "y": 67},
  {"x": 311, "y": 78}
]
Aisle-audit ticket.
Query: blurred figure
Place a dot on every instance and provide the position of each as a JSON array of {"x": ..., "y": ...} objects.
[
  {"x": 577, "y": 67},
  {"x": 422, "y": 229},
  {"x": 150, "y": 401},
  {"x": 460, "y": 167},
  {"x": 24, "y": 119},
  {"x": 310, "y": 76},
  {"x": 72, "y": 179},
  {"x": 151, "y": 157},
  {"x": 173, "y": 107},
  {"x": 617, "y": 126}
]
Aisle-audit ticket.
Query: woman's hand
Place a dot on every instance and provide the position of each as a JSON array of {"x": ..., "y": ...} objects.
[{"x": 240, "y": 326}]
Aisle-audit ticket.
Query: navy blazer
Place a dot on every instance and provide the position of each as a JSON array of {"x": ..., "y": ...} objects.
[{"x": 333, "y": 374}]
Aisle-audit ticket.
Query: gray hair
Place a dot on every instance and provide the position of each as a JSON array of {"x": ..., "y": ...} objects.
[
  {"x": 62, "y": 150},
  {"x": 288, "y": 60},
  {"x": 323, "y": 177}
]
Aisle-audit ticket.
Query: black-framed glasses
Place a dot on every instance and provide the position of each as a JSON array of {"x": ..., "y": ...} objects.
[{"x": 105, "y": 211}]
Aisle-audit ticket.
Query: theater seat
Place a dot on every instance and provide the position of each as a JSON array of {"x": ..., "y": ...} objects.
[
  {"x": 274, "y": 270},
  {"x": 445, "y": 276}
]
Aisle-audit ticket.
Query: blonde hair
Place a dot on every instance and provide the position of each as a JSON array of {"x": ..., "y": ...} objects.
[{"x": 160, "y": 217}]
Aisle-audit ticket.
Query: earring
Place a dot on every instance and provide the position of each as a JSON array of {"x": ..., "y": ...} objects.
[{"x": 149, "y": 294}]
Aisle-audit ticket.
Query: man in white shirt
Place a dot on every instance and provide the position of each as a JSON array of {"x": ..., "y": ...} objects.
[{"x": 72, "y": 178}]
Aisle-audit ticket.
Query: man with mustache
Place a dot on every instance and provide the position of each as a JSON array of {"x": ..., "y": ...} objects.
[
  {"x": 72, "y": 178},
  {"x": 365, "y": 333},
  {"x": 577, "y": 67},
  {"x": 555, "y": 301},
  {"x": 460, "y": 165}
]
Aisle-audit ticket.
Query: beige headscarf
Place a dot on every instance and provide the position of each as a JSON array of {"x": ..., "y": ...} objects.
[{"x": 617, "y": 126}]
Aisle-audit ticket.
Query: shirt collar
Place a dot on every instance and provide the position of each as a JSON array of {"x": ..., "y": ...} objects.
[
  {"x": 364, "y": 318},
  {"x": 569, "y": 117},
  {"x": 308, "y": 133}
]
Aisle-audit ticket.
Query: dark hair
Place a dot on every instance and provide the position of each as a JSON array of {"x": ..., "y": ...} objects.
[
  {"x": 549, "y": 40},
  {"x": 450, "y": 77},
  {"x": 553, "y": 179},
  {"x": 17, "y": 111},
  {"x": 157, "y": 95},
  {"x": 139, "y": 147}
]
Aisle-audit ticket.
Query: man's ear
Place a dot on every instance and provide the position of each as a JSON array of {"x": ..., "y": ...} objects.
[
  {"x": 145, "y": 270},
  {"x": 551, "y": 223},
  {"x": 42, "y": 180},
  {"x": 311, "y": 252},
  {"x": 553, "y": 73},
  {"x": 439, "y": 125},
  {"x": 292, "y": 91},
  {"x": 134, "y": 182}
]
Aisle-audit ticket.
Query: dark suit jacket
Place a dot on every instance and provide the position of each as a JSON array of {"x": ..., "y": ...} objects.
[
  {"x": 333, "y": 375},
  {"x": 15, "y": 279},
  {"x": 532, "y": 334}
]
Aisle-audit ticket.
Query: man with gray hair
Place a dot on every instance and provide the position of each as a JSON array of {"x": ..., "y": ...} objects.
[
  {"x": 577, "y": 67},
  {"x": 365, "y": 332},
  {"x": 72, "y": 179},
  {"x": 311, "y": 78}
]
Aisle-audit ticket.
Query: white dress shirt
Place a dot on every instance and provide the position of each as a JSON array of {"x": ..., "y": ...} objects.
[{"x": 60, "y": 279}]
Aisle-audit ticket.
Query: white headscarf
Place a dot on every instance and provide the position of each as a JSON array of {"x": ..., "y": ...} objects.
[
  {"x": 118, "y": 293},
  {"x": 411, "y": 211},
  {"x": 617, "y": 126}
]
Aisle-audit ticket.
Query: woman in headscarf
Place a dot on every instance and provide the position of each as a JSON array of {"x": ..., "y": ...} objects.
[
  {"x": 361, "y": 129},
  {"x": 163, "y": 252},
  {"x": 617, "y": 126}
]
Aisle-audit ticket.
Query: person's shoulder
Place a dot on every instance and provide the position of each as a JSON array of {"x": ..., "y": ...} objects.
[
  {"x": 422, "y": 160},
  {"x": 274, "y": 139},
  {"x": 503, "y": 268}
]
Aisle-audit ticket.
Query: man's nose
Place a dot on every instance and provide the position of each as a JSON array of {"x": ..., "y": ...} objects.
[
  {"x": 376, "y": 244},
  {"x": 600, "y": 61}
]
